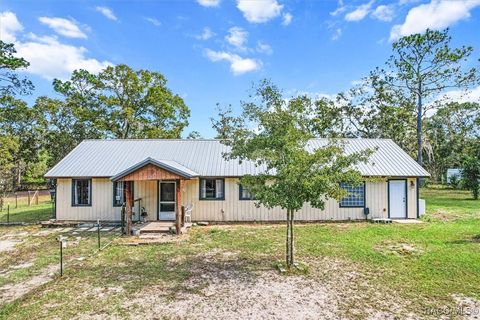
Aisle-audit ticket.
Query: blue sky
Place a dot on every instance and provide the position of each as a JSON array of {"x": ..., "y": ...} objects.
[{"x": 212, "y": 51}]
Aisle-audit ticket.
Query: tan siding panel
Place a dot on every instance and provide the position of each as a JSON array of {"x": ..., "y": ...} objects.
[
  {"x": 102, "y": 202},
  {"x": 230, "y": 209}
]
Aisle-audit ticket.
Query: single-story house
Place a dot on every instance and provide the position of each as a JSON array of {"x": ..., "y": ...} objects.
[{"x": 167, "y": 174}]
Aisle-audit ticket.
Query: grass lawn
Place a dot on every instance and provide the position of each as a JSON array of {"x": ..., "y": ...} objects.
[
  {"x": 25, "y": 213},
  {"x": 355, "y": 270}
]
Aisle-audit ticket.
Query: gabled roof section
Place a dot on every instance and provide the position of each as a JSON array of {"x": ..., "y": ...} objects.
[
  {"x": 108, "y": 158},
  {"x": 167, "y": 165}
]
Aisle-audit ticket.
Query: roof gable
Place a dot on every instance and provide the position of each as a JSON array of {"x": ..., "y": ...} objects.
[{"x": 151, "y": 169}]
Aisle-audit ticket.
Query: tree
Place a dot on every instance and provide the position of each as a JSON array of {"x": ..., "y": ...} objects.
[
  {"x": 139, "y": 105},
  {"x": 420, "y": 69},
  {"x": 452, "y": 132},
  {"x": 21, "y": 123},
  {"x": 10, "y": 82},
  {"x": 274, "y": 134},
  {"x": 194, "y": 135},
  {"x": 471, "y": 175}
]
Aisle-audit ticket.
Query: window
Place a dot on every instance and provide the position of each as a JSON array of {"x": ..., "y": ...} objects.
[
  {"x": 355, "y": 197},
  {"x": 212, "y": 189},
  {"x": 81, "y": 192},
  {"x": 119, "y": 194},
  {"x": 245, "y": 194}
]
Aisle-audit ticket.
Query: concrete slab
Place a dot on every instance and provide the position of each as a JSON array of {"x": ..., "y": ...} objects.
[{"x": 407, "y": 221}]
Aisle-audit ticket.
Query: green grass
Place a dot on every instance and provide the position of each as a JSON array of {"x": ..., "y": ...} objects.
[
  {"x": 24, "y": 213},
  {"x": 442, "y": 260}
]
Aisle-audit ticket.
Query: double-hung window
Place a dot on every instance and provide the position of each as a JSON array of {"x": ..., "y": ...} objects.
[
  {"x": 355, "y": 197},
  {"x": 81, "y": 192},
  {"x": 245, "y": 194},
  {"x": 212, "y": 189},
  {"x": 118, "y": 193}
]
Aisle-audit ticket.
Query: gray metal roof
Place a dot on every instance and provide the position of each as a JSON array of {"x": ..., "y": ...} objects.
[{"x": 108, "y": 158}]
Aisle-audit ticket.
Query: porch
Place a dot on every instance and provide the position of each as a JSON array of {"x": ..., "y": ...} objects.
[{"x": 152, "y": 191}]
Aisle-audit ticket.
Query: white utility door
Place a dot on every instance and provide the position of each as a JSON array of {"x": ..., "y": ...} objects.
[
  {"x": 397, "y": 199},
  {"x": 167, "y": 203}
]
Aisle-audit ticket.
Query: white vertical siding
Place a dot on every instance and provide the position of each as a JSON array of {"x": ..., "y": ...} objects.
[
  {"x": 147, "y": 190},
  {"x": 412, "y": 198},
  {"x": 102, "y": 202},
  {"x": 377, "y": 198},
  {"x": 233, "y": 209},
  {"x": 230, "y": 209}
]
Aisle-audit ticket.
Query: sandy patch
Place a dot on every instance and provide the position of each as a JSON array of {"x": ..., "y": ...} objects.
[
  {"x": 14, "y": 291},
  {"x": 221, "y": 286},
  {"x": 8, "y": 244}
]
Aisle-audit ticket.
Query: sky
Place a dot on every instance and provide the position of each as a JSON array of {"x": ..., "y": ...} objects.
[{"x": 214, "y": 51}]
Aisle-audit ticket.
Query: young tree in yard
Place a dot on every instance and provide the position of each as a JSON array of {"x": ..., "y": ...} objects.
[
  {"x": 471, "y": 175},
  {"x": 421, "y": 69},
  {"x": 274, "y": 133}
]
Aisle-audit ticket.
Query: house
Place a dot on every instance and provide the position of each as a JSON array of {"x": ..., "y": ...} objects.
[{"x": 167, "y": 174}]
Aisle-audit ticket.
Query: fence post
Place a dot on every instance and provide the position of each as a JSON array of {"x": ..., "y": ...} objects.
[
  {"x": 61, "y": 256},
  {"x": 16, "y": 200},
  {"x": 28, "y": 192},
  {"x": 36, "y": 200},
  {"x": 98, "y": 233},
  {"x": 8, "y": 213}
]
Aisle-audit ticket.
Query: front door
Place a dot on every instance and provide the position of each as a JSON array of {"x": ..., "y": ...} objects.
[
  {"x": 167, "y": 203},
  {"x": 397, "y": 199}
]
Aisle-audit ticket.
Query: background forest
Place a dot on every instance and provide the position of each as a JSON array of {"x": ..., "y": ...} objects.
[{"x": 407, "y": 99}]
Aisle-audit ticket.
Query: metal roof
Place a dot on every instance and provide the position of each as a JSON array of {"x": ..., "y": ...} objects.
[{"x": 108, "y": 158}]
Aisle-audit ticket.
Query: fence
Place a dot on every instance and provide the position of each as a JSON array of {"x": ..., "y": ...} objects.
[{"x": 27, "y": 207}]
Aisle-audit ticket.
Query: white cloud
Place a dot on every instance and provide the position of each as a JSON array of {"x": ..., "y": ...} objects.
[
  {"x": 340, "y": 8},
  {"x": 206, "y": 34},
  {"x": 209, "y": 3},
  {"x": 259, "y": 11},
  {"x": 437, "y": 14},
  {"x": 237, "y": 37},
  {"x": 153, "y": 21},
  {"x": 337, "y": 34},
  {"x": 359, "y": 13},
  {"x": 63, "y": 27},
  {"x": 263, "y": 47},
  {"x": 384, "y": 13},
  {"x": 50, "y": 58},
  {"x": 463, "y": 95},
  {"x": 107, "y": 12},
  {"x": 287, "y": 19},
  {"x": 238, "y": 65},
  {"x": 9, "y": 26}
]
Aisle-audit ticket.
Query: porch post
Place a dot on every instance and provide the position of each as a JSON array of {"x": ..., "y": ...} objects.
[
  {"x": 178, "y": 222},
  {"x": 128, "y": 211}
]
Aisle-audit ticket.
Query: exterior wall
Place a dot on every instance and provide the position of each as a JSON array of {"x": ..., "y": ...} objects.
[
  {"x": 230, "y": 209},
  {"x": 233, "y": 209},
  {"x": 102, "y": 202},
  {"x": 147, "y": 190},
  {"x": 412, "y": 198}
]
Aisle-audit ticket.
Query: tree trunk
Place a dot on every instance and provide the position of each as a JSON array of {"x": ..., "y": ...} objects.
[
  {"x": 419, "y": 125},
  {"x": 291, "y": 238},
  {"x": 287, "y": 241}
]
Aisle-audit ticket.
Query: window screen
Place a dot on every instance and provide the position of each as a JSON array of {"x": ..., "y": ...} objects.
[
  {"x": 213, "y": 189},
  {"x": 82, "y": 192},
  {"x": 245, "y": 194},
  {"x": 355, "y": 197}
]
